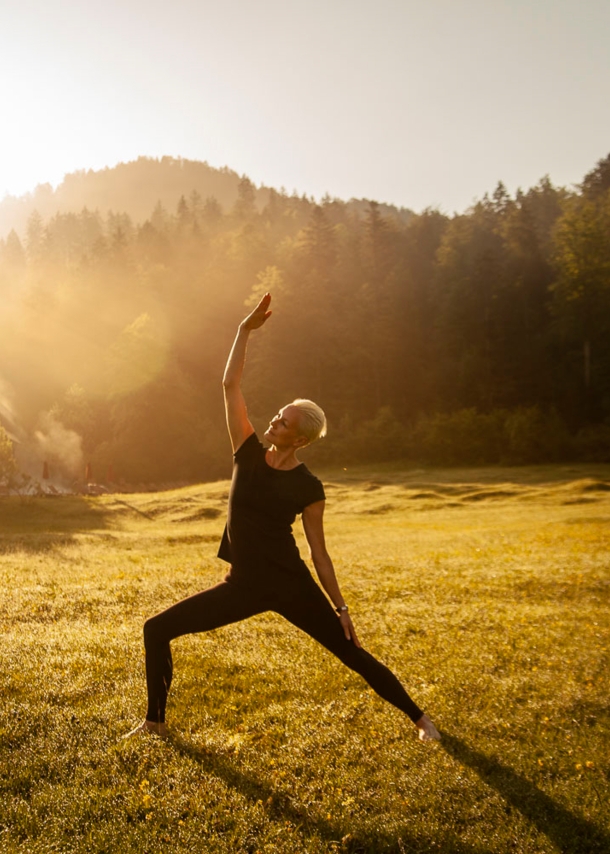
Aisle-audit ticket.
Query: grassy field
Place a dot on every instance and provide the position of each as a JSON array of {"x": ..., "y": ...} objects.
[{"x": 485, "y": 590}]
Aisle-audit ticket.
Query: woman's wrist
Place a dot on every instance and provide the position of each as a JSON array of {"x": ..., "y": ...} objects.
[{"x": 341, "y": 609}]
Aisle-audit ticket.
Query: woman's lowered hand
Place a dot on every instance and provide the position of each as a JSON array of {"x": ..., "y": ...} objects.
[{"x": 348, "y": 628}]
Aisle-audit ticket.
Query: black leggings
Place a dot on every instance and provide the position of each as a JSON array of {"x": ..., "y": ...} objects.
[{"x": 301, "y": 602}]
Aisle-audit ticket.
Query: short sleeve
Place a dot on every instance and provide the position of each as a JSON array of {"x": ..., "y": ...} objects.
[
  {"x": 249, "y": 449},
  {"x": 313, "y": 491}
]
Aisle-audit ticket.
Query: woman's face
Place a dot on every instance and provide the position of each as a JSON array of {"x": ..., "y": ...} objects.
[{"x": 283, "y": 430}]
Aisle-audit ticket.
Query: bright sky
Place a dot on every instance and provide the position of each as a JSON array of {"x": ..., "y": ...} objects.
[{"x": 404, "y": 101}]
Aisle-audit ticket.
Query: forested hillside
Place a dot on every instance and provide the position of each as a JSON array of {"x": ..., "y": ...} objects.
[
  {"x": 136, "y": 188},
  {"x": 478, "y": 338}
]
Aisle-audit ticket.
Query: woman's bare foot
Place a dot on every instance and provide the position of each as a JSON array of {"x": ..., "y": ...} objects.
[
  {"x": 426, "y": 729},
  {"x": 149, "y": 728}
]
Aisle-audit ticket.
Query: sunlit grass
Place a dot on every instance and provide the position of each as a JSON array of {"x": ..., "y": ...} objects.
[{"x": 485, "y": 590}]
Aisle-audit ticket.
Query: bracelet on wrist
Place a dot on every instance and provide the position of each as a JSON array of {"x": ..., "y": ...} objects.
[{"x": 342, "y": 609}]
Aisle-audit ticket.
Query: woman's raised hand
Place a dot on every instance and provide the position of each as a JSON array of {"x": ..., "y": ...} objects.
[{"x": 260, "y": 314}]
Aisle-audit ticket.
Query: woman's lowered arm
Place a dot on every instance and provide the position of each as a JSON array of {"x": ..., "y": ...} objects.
[{"x": 313, "y": 523}]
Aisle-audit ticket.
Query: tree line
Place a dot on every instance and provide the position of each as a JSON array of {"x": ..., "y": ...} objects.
[{"x": 479, "y": 338}]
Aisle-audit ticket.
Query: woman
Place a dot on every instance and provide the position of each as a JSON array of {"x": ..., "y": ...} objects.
[{"x": 269, "y": 488}]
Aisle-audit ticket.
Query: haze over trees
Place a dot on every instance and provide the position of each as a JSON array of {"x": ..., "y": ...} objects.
[{"x": 478, "y": 338}]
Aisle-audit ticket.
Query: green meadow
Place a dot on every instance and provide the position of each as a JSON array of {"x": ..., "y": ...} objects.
[{"x": 485, "y": 590}]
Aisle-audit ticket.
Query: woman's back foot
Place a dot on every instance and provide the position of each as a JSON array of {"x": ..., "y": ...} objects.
[
  {"x": 426, "y": 730},
  {"x": 148, "y": 728}
]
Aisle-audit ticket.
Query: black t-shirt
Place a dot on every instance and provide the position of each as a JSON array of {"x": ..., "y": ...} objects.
[{"x": 263, "y": 504}]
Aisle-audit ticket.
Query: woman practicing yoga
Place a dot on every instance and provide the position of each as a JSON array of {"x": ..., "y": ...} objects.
[{"x": 269, "y": 489}]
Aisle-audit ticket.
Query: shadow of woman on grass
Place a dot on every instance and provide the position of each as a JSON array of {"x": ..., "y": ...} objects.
[
  {"x": 569, "y": 832},
  {"x": 281, "y": 806}
]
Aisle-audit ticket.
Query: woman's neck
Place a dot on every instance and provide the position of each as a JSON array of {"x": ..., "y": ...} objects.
[{"x": 282, "y": 458}]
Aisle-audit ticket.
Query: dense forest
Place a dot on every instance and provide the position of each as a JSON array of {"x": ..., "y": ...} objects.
[{"x": 473, "y": 339}]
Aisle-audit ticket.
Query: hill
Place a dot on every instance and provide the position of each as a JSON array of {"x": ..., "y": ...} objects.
[{"x": 135, "y": 188}]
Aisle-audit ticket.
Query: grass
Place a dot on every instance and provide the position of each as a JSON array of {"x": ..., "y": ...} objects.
[{"x": 485, "y": 590}]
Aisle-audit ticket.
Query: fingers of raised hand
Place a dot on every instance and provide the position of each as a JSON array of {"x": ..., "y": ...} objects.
[{"x": 258, "y": 315}]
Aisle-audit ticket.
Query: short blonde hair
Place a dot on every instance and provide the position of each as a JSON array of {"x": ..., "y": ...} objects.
[{"x": 312, "y": 421}]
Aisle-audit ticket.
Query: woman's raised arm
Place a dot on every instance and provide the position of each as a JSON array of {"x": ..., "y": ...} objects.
[{"x": 238, "y": 423}]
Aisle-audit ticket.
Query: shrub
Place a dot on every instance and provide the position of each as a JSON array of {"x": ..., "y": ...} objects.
[
  {"x": 384, "y": 437},
  {"x": 465, "y": 437},
  {"x": 535, "y": 436},
  {"x": 592, "y": 443},
  {"x": 8, "y": 466},
  {"x": 379, "y": 439}
]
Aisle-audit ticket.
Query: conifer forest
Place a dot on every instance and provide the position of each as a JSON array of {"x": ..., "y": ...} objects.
[{"x": 467, "y": 339}]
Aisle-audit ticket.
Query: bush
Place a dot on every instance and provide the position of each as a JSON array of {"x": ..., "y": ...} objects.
[
  {"x": 469, "y": 437},
  {"x": 592, "y": 443},
  {"x": 465, "y": 437},
  {"x": 535, "y": 436},
  {"x": 381, "y": 438},
  {"x": 8, "y": 465}
]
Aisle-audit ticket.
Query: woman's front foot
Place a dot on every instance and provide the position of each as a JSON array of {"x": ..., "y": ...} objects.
[{"x": 426, "y": 730}]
